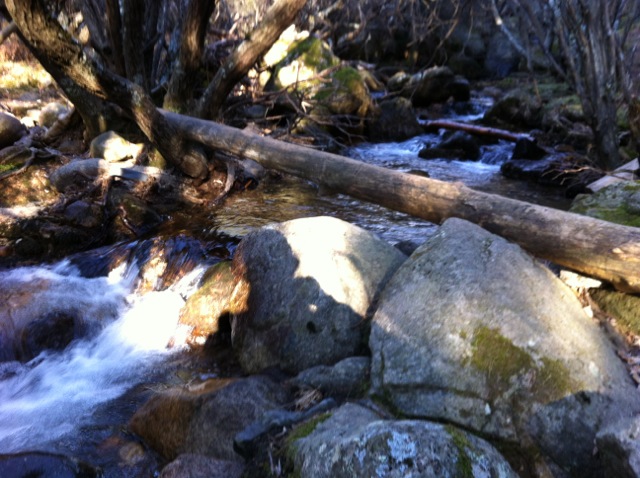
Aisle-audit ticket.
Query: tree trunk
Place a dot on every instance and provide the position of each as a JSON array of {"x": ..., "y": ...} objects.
[
  {"x": 475, "y": 130},
  {"x": 82, "y": 75},
  {"x": 279, "y": 16},
  {"x": 598, "y": 248},
  {"x": 184, "y": 76}
]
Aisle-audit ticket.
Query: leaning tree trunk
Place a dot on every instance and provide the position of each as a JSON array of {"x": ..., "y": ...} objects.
[
  {"x": 279, "y": 16},
  {"x": 66, "y": 60},
  {"x": 608, "y": 251}
]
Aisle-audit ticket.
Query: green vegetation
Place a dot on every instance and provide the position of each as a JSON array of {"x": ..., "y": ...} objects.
[
  {"x": 503, "y": 362},
  {"x": 464, "y": 467}
]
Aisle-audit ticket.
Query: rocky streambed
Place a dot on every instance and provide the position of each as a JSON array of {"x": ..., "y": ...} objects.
[{"x": 345, "y": 357}]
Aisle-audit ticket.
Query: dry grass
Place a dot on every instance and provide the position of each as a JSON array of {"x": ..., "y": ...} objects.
[{"x": 19, "y": 70}]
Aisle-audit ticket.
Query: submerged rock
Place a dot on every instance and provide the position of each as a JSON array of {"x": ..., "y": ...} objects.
[
  {"x": 354, "y": 441},
  {"x": 306, "y": 288},
  {"x": 471, "y": 330}
]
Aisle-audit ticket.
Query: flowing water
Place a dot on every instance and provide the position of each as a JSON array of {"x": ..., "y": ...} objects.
[{"x": 55, "y": 394}]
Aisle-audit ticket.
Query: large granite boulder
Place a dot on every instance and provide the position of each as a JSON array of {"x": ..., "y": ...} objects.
[
  {"x": 204, "y": 418},
  {"x": 355, "y": 441},
  {"x": 473, "y": 331},
  {"x": 306, "y": 287}
]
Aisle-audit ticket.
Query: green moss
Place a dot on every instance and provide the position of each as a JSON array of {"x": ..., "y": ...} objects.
[
  {"x": 624, "y": 307},
  {"x": 301, "y": 431},
  {"x": 464, "y": 466},
  {"x": 498, "y": 357},
  {"x": 554, "y": 381},
  {"x": 314, "y": 52},
  {"x": 613, "y": 203},
  {"x": 503, "y": 361},
  {"x": 7, "y": 167}
]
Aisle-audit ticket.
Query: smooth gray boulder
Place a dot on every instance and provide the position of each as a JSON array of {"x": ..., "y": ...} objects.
[
  {"x": 355, "y": 441},
  {"x": 472, "y": 330},
  {"x": 306, "y": 287}
]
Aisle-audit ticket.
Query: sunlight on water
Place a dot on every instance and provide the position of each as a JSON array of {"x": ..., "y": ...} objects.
[{"x": 56, "y": 392}]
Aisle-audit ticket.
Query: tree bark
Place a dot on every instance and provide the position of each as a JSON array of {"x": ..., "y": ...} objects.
[
  {"x": 279, "y": 16},
  {"x": 87, "y": 77},
  {"x": 184, "y": 75},
  {"x": 598, "y": 248}
]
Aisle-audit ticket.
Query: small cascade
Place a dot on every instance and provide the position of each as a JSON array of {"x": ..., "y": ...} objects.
[{"x": 55, "y": 393}]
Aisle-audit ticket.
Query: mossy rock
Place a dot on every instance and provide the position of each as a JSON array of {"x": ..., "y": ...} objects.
[
  {"x": 304, "y": 62},
  {"x": 618, "y": 203},
  {"x": 624, "y": 307},
  {"x": 347, "y": 93}
]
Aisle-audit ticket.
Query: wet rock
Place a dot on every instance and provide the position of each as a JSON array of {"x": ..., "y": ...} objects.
[
  {"x": 189, "y": 465},
  {"x": 557, "y": 170},
  {"x": 113, "y": 147},
  {"x": 164, "y": 260},
  {"x": 11, "y": 129},
  {"x": 354, "y": 441},
  {"x": 203, "y": 310},
  {"x": 518, "y": 108},
  {"x": 44, "y": 300},
  {"x": 35, "y": 464},
  {"x": 134, "y": 217},
  {"x": 348, "y": 378},
  {"x": 395, "y": 121},
  {"x": 473, "y": 331},
  {"x": 306, "y": 287},
  {"x": 205, "y": 417},
  {"x": 464, "y": 143},
  {"x": 527, "y": 149},
  {"x": 433, "y": 85},
  {"x": 54, "y": 331},
  {"x": 619, "y": 448}
]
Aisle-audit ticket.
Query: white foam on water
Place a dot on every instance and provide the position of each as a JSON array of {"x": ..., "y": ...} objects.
[{"x": 57, "y": 391}]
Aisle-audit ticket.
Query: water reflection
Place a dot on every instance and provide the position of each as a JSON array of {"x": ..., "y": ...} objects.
[{"x": 277, "y": 200}]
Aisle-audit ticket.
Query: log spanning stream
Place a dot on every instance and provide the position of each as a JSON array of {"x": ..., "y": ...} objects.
[{"x": 48, "y": 402}]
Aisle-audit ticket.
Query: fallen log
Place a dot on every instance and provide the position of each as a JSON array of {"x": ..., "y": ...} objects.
[
  {"x": 475, "y": 130},
  {"x": 593, "y": 247}
]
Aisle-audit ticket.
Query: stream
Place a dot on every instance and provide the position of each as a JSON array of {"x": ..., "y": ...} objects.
[{"x": 57, "y": 400}]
